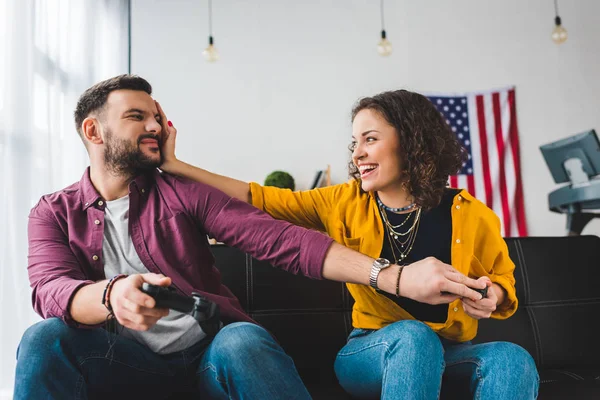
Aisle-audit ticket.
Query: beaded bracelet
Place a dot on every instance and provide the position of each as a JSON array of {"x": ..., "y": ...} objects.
[
  {"x": 107, "y": 290},
  {"x": 400, "y": 268}
]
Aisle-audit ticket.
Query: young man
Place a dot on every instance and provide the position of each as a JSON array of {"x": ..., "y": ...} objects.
[{"x": 127, "y": 221}]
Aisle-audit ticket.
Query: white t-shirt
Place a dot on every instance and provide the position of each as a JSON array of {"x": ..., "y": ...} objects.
[{"x": 172, "y": 333}]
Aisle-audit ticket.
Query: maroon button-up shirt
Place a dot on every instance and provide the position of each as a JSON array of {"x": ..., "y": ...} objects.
[{"x": 169, "y": 220}]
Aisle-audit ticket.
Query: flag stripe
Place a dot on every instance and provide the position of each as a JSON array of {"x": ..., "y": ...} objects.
[
  {"x": 514, "y": 140},
  {"x": 471, "y": 185},
  {"x": 476, "y": 150},
  {"x": 509, "y": 164},
  {"x": 501, "y": 160},
  {"x": 454, "y": 181},
  {"x": 487, "y": 180},
  {"x": 494, "y": 159}
]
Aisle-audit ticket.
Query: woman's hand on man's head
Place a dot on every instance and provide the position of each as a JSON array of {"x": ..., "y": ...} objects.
[{"x": 168, "y": 137}]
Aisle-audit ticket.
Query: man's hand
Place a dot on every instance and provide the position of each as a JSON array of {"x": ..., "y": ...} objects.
[
  {"x": 168, "y": 136},
  {"x": 485, "y": 307},
  {"x": 434, "y": 282},
  {"x": 133, "y": 308}
]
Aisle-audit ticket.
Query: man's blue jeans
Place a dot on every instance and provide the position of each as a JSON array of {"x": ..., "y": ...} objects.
[
  {"x": 407, "y": 359},
  {"x": 243, "y": 361}
]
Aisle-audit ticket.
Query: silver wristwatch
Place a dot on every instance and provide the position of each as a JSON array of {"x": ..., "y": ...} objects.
[{"x": 378, "y": 265}]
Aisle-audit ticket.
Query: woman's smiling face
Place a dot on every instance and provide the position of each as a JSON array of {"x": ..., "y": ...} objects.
[{"x": 376, "y": 152}]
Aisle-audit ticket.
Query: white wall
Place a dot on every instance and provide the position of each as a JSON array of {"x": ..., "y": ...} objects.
[{"x": 290, "y": 71}]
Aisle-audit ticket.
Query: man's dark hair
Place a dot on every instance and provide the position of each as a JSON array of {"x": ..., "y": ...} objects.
[
  {"x": 429, "y": 149},
  {"x": 94, "y": 98}
]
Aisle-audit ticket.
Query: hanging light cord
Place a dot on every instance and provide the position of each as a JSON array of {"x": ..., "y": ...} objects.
[
  {"x": 557, "y": 20},
  {"x": 382, "y": 21},
  {"x": 210, "y": 20}
]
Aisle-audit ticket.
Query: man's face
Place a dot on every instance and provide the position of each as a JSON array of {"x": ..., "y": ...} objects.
[{"x": 132, "y": 132}]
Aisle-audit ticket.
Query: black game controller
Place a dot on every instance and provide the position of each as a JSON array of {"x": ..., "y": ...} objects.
[
  {"x": 482, "y": 291},
  {"x": 200, "y": 308}
]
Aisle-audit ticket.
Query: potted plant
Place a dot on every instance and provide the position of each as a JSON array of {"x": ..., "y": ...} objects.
[{"x": 280, "y": 179}]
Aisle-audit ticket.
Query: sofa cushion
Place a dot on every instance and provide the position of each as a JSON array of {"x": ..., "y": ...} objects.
[
  {"x": 559, "y": 297},
  {"x": 557, "y": 286}
]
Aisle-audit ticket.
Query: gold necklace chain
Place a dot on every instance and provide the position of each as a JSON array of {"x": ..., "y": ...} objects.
[
  {"x": 405, "y": 250},
  {"x": 408, "y": 215},
  {"x": 394, "y": 238},
  {"x": 396, "y": 233},
  {"x": 399, "y": 254}
]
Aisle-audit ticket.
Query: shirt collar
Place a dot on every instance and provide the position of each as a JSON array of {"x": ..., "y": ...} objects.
[
  {"x": 90, "y": 196},
  {"x": 142, "y": 182},
  {"x": 465, "y": 195}
]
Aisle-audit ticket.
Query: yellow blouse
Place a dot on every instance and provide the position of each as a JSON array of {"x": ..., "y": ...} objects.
[{"x": 351, "y": 218}]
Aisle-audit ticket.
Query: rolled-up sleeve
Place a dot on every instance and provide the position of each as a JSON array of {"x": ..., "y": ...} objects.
[
  {"x": 493, "y": 253},
  {"x": 54, "y": 273},
  {"x": 238, "y": 224}
]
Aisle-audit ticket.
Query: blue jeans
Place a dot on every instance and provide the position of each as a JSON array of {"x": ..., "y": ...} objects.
[
  {"x": 407, "y": 360},
  {"x": 243, "y": 361}
]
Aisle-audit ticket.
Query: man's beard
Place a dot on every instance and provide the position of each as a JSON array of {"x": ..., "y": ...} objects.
[{"x": 123, "y": 158}]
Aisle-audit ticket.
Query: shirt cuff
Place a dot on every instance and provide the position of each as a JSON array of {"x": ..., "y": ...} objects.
[
  {"x": 68, "y": 290},
  {"x": 258, "y": 200},
  {"x": 314, "y": 247},
  {"x": 510, "y": 304}
]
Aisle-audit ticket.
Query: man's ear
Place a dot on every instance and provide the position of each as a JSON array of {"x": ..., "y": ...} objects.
[{"x": 91, "y": 130}]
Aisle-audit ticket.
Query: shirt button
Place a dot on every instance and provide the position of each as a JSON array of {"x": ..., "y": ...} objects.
[
  {"x": 97, "y": 222},
  {"x": 100, "y": 202},
  {"x": 95, "y": 257},
  {"x": 87, "y": 204},
  {"x": 457, "y": 240},
  {"x": 143, "y": 191},
  {"x": 455, "y": 309},
  {"x": 458, "y": 207},
  {"x": 459, "y": 198}
]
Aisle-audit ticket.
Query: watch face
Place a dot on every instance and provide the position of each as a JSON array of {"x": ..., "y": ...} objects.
[{"x": 378, "y": 265}]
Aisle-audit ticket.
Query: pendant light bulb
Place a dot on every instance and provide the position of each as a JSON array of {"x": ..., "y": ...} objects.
[
  {"x": 210, "y": 53},
  {"x": 384, "y": 47},
  {"x": 559, "y": 34}
]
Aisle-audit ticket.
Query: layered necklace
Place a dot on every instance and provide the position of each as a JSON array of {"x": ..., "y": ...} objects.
[{"x": 402, "y": 236}]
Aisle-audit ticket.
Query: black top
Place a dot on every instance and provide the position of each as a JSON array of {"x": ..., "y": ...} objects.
[{"x": 434, "y": 237}]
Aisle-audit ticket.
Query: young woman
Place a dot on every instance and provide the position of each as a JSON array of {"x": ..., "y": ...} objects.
[{"x": 399, "y": 209}]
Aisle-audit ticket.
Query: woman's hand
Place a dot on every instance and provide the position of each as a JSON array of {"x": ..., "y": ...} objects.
[
  {"x": 485, "y": 307},
  {"x": 169, "y": 134},
  {"x": 434, "y": 282}
]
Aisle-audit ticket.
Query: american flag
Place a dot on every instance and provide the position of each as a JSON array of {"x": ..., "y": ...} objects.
[{"x": 486, "y": 125}]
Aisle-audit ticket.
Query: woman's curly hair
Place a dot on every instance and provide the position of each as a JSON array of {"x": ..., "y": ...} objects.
[{"x": 429, "y": 148}]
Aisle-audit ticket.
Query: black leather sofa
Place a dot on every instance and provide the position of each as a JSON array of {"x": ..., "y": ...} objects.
[{"x": 558, "y": 286}]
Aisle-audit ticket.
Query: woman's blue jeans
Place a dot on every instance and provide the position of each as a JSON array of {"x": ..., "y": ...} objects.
[
  {"x": 407, "y": 360},
  {"x": 243, "y": 361}
]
